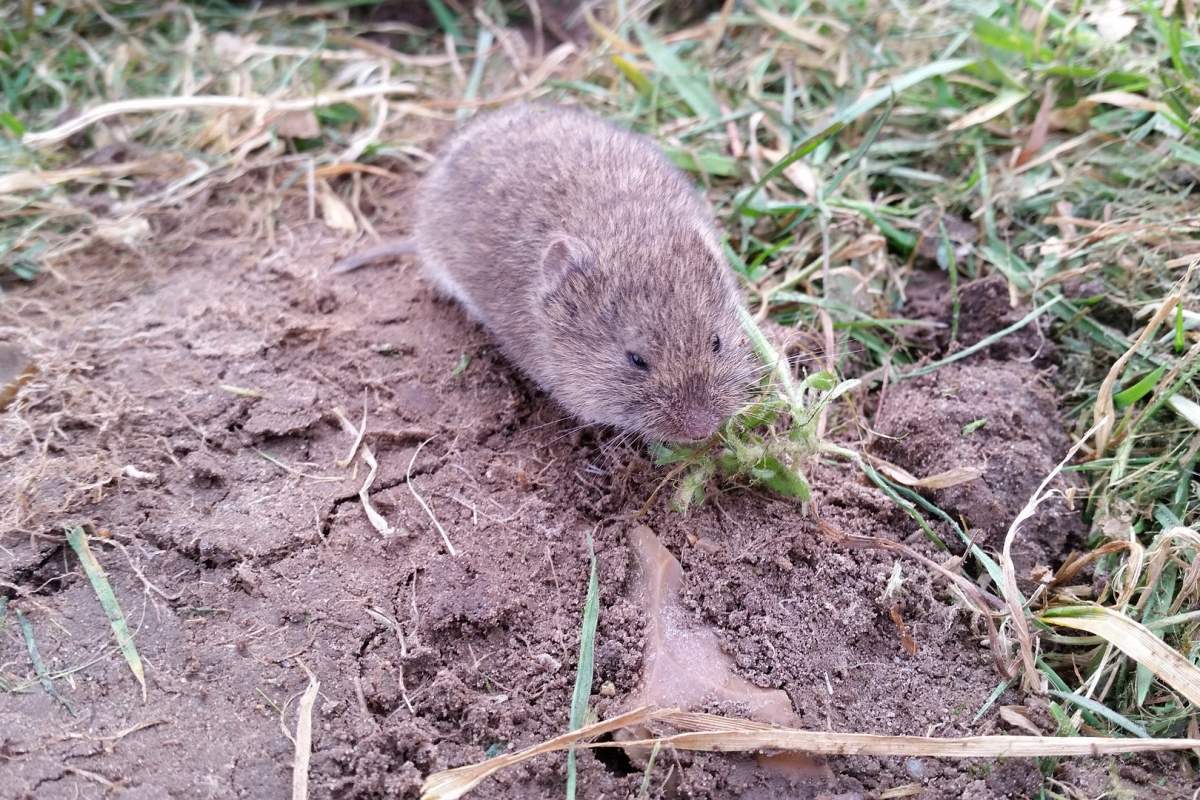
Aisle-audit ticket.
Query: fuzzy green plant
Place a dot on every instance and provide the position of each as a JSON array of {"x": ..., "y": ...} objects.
[{"x": 767, "y": 444}]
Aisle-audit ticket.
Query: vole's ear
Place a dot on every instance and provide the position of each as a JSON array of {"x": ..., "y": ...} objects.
[{"x": 565, "y": 256}]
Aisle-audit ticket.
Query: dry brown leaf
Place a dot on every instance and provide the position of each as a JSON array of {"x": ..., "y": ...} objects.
[
  {"x": 336, "y": 213},
  {"x": 906, "y": 638},
  {"x": 301, "y": 124},
  {"x": 1125, "y": 100},
  {"x": 942, "y": 480},
  {"x": 684, "y": 664},
  {"x": 1017, "y": 716},
  {"x": 1039, "y": 130},
  {"x": 803, "y": 178},
  {"x": 127, "y": 232}
]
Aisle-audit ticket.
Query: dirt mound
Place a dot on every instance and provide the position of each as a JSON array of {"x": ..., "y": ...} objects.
[
  {"x": 999, "y": 417},
  {"x": 184, "y": 409}
]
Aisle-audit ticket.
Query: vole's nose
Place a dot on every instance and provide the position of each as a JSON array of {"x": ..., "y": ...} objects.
[{"x": 699, "y": 423}]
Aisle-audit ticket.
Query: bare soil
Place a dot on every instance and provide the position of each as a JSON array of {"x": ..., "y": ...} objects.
[{"x": 183, "y": 409}]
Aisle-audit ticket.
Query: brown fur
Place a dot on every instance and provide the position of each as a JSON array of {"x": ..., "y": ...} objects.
[{"x": 576, "y": 243}]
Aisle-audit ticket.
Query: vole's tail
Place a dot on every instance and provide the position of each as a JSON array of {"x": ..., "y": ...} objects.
[{"x": 391, "y": 248}]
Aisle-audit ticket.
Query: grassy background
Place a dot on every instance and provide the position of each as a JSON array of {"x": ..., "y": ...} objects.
[{"x": 1056, "y": 145}]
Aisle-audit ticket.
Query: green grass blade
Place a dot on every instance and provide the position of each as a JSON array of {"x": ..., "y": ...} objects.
[
  {"x": 1101, "y": 710},
  {"x": 483, "y": 44},
  {"x": 764, "y": 350},
  {"x": 39, "y": 666},
  {"x": 587, "y": 656},
  {"x": 992, "y": 698},
  {"x": 644, "y": 791},
  {"x": 108, "y": 600},
  {"x": 705, "y": 161},
  {"x": 850, "y": 114},
  {"x": 690, "y": 86},
  {"x": 898, "y": 85},
  {"x": 983, "y": 343},
  {"x": 859, "y": 152},
  {"x": 634, "y": 75},
  {"x": 1162, "y": 593},
  {"x": 446, "y": 18},
  {"x": 1128, "y": 397},
  {"x": 888, "y": 488}
]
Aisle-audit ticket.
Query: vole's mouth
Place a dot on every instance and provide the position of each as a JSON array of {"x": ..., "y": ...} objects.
[{"x": 694, "y": 426}]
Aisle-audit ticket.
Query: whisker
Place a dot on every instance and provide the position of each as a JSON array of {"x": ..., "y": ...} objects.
[
  {"x": 548, "y": 424},
  {"x": 567, "y": 433}
]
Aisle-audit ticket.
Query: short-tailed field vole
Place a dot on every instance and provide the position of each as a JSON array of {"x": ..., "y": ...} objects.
[{"x": 593, "y": 262}]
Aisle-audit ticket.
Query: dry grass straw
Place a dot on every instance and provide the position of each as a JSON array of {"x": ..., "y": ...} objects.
[
  {"x": 50, "y": 474},
  {"x": 377, "y": 520},
  {"x": 711, "y": 733},
  {"x": 412, "y": 488},
  {"x": 303, "y": 738},
  {"x": 1134, "y": 640},
  {"x": 1012, "y": 595}
]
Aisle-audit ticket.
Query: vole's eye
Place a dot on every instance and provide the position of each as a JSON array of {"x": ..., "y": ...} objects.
[
  {"x": 636, "y": 360},
  {"x": 716, "y": 344}
]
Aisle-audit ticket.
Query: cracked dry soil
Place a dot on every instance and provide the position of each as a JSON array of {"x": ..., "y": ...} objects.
[{"x": 193, "y": 363}]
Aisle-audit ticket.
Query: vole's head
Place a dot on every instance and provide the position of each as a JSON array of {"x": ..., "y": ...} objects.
[{"x": 645, "y": 336}]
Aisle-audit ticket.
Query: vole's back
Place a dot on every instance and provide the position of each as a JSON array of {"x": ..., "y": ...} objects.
[
  {"x": 594, "y": 263},
  {"x": 513, "y": 179}
]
